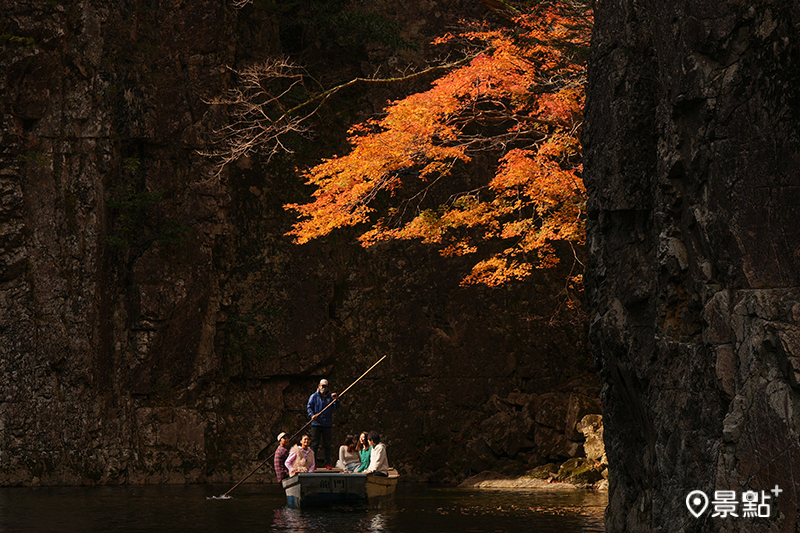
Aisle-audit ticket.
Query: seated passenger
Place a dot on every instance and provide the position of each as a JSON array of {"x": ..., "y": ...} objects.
[
  {"x": 378, "y": 463},
  {"x": 363, "y": 449},
  {"x": 281, "y": 454},
  {"x": 349, "y": 460},
  {"x": 301, "y": 458}
]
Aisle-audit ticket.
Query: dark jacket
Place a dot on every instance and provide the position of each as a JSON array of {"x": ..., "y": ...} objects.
[{"x": 318, "y": 402}]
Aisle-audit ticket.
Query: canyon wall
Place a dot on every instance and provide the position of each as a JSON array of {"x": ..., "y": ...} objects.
[
  {"x": 692, "y": 151},
  {"x": 155, "y": 323}
]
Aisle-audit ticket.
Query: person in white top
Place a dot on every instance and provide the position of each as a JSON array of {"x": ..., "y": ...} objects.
[
  {"x": 349, "y": 460},
  {"x": 378, "y": 463}
]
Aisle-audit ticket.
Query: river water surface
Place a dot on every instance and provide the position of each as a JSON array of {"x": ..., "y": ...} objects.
[{"x": 262, "y": 508}]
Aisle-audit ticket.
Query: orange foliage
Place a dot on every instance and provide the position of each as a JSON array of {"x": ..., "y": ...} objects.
[{"x": 520, "y": 101}]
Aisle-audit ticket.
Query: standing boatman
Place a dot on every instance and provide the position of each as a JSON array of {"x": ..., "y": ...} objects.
[{"x": 322, "y": 423}]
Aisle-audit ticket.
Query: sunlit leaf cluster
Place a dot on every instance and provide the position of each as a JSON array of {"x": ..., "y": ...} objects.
[{"x": 517, "y": 104}]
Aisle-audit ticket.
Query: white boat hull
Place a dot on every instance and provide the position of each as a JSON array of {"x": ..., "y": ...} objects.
[{"x": 326, "y": 489}]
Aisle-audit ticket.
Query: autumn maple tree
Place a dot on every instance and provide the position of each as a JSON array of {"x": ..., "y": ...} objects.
[
  {"x": 521, "y": 101},
  {"x": 515, "y": 100}
]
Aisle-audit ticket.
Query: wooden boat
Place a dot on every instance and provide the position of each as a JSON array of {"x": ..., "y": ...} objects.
[{"x": 330, "y": 488}]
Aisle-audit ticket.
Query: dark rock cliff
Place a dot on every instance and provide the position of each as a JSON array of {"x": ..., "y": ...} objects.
[
  {"x": 692, "y": 154},
  {"x": 156, "y": 325}
]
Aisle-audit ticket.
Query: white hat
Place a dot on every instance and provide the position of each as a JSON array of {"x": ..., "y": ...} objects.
[
  {"x": 281, "y": 436},
  {"x": 323, "y": 382}
]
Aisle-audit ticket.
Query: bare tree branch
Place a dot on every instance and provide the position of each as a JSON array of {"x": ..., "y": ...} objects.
[{"x": 261, "y": 117}]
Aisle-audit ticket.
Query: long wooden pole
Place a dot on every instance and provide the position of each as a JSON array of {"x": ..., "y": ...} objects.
[{"x": 225, "y": 496}]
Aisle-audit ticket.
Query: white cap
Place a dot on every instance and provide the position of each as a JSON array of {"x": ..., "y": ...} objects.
[
  {"x": 323, "y": 382},
  {"x": 281, "y": 436}
]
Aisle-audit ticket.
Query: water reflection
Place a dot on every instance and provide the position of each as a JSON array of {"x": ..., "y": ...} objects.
[
  {"x": 561, "y": 511},
  {"x": 561, "y": 503},
  {"x": 423, "y": 509},
  {"x": 418, "y": 509},
  {"x": 377, "y": 524},
  {"x": 315, "y": 520}
]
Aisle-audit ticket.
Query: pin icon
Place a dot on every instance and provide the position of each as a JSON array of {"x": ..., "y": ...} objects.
[{"x": 697, "y": 502}]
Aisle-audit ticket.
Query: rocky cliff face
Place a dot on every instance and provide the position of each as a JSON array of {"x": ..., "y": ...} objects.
[
  {"x": 692, "y": 153},
  {"x": 103, "y": 103},
  {"x": 156, "y": 326}
]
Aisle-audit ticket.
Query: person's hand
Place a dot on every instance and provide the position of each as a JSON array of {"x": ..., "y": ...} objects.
[
  {"x": 315, "y": 416},
  {"x": 334, "y": 395}
]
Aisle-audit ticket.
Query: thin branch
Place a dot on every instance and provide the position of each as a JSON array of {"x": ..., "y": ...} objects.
[
  {"x": 261, "y": 119},
  {"x": 323, "y": 96}
]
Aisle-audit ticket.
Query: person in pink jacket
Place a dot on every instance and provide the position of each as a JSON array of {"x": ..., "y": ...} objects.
[{"x": 301, "y": 458}]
